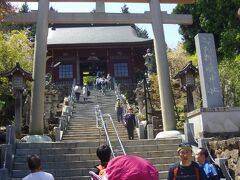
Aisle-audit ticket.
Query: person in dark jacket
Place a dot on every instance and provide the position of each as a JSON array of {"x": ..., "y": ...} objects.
[
  {"x": 130, "y": 123},
  {"x": 186, "y": 169}
]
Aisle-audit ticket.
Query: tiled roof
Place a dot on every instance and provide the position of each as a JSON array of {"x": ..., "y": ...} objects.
[{"x": 93, "y": 35}]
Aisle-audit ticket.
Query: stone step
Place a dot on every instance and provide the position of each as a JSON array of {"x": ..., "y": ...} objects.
[
  {"x": 56, "y": 145},
  {"x": 61, "y": 157},
  {"x": 65, "y": 173},
  {"x": 56, "y": 172},
  {"x": 159, "y": 147},
  {"x": 85, "y": 150}
]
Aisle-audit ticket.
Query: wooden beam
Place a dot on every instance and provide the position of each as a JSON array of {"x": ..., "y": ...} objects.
[
  {"x": 124, "y": 1},
  {"x": 98, "y": 18}
]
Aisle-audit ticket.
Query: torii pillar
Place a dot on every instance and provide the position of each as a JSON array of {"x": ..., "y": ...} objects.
[
  {"x": 39, "y": 69},
  {"x": 168, "y": 117}
]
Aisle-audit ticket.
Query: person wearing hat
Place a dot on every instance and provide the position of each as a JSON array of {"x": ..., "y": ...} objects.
[
  {"x": 130, "y": 123},
  {"x": 119, "y": 110},
  {"x": 186, "y": 169}
]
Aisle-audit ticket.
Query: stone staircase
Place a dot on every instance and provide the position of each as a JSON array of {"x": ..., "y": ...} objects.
[{"x": 76, "y": 154}]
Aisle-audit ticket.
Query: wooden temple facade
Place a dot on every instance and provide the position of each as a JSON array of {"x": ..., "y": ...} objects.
[{"x": 86, "y": 51}]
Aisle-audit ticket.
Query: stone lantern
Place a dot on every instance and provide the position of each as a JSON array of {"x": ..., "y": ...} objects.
[
  {"x": 187, "y": 76},
  {"x": 18, "y": 78}
]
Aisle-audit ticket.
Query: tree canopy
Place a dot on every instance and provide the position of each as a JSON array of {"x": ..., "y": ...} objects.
[
  {"x": 140, "y": 32},
  {"x": 213, "y": 16},
  {"x": 5, "y": 8},
  {"x": 14, "y": 47}
]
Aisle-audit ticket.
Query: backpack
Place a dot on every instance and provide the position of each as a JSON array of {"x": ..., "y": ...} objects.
[
  {"x": 219, "y": 171},
  {"x": 176, "y": 169}
]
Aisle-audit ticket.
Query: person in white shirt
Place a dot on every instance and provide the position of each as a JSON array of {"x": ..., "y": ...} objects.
[
  {"x": 34, "y": 165},
  {"x": 77, "y": 90},
  {"x": 84, "y": 92}
]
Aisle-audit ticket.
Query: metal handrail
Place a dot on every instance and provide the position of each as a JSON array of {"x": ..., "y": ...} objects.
[
  {"x": 119, "y": 140},
  {"x": 214, "y": 162},
  {"x": 227, "y": 170},
  {"x": 105, "y": 130}
]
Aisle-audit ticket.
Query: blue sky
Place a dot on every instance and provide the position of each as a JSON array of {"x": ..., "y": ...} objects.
[{"x": 172, "y": 36}]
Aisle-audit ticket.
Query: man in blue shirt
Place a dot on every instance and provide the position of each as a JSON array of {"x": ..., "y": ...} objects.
[{"x": 209, "y": 169}]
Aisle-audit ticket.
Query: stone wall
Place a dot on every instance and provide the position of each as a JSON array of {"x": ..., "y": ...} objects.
[{"x": 230, "y": 149}]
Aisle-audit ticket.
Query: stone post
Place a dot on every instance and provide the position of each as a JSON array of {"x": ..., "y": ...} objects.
[
  {"x": 208, "y": 71},
  {"x": 150, "y": 131},
  {"x": 39, "y": 69},
  {"x": 57, "y": 133},
  {"x": 6, "y": 156},
  {"x": 18, "y": 113},
  {"x": 169, "y": 121},
  {"x": 141, "y": 131},
  {"x": 10, "y": 136},
  {"x": 189, "y": 133}
]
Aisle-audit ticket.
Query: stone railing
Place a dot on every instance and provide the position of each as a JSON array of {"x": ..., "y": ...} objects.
[
  {"x": 67, "y": 110},
  {"x": 7, "y": 153}
]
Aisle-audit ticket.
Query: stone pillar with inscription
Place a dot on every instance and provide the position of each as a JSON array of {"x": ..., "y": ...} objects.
[
  {"x": 213, "y": 119},
  {"x": 208, "y": 71}
]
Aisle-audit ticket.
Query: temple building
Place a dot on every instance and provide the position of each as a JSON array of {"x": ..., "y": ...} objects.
[{"x": 78, "y": 52}]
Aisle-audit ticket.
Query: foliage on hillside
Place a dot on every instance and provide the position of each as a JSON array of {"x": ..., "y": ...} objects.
[
  {"x": 140, "y": 32},
  {"x": 230, "y": 80},
  {"x": 14, "y": 47},
  {"x": 5, "y": 8},
  {"x": 177, "y": 58},
  {"x": 221, "y": 20}
]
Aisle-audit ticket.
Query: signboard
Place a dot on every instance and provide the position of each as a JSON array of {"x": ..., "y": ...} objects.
[{"x": 18, "y": 82}]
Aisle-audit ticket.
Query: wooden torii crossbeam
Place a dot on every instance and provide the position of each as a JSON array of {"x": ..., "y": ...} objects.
[{"x": 157, "y": 18}]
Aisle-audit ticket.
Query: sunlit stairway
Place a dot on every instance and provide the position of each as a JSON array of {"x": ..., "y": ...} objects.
[{"x": 75, "y": 155}]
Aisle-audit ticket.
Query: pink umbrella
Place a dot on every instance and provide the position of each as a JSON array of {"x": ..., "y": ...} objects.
[{"x": 128, "y": 167}]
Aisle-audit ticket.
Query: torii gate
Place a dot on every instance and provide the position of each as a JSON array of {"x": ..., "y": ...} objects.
[{"x": 157, "y": 18}]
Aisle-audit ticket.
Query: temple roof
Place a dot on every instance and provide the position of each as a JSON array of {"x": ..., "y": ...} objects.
[{"x": 94, "y": 35}]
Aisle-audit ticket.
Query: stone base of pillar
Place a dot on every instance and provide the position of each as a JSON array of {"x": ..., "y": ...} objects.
[
  {"x": 210, "y": 122},
  {"x": 150, "y": 131},
  {"x": 36, "y": 139},
  {"x": 170, "y": 134}
]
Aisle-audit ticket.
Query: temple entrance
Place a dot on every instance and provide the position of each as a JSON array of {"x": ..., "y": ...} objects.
[{"x": 90, "y": 70}]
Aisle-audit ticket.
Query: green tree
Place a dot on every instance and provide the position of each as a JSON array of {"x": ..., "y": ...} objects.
[
  {"x": 230, "y": 81},
  {"x": 140, "y": 32},
  {"x": 5, "y": 8},
  {"x": 177, "y": 58},
  {"x": 218, "y": 17},
  {"x": 14, "y": 47}
]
